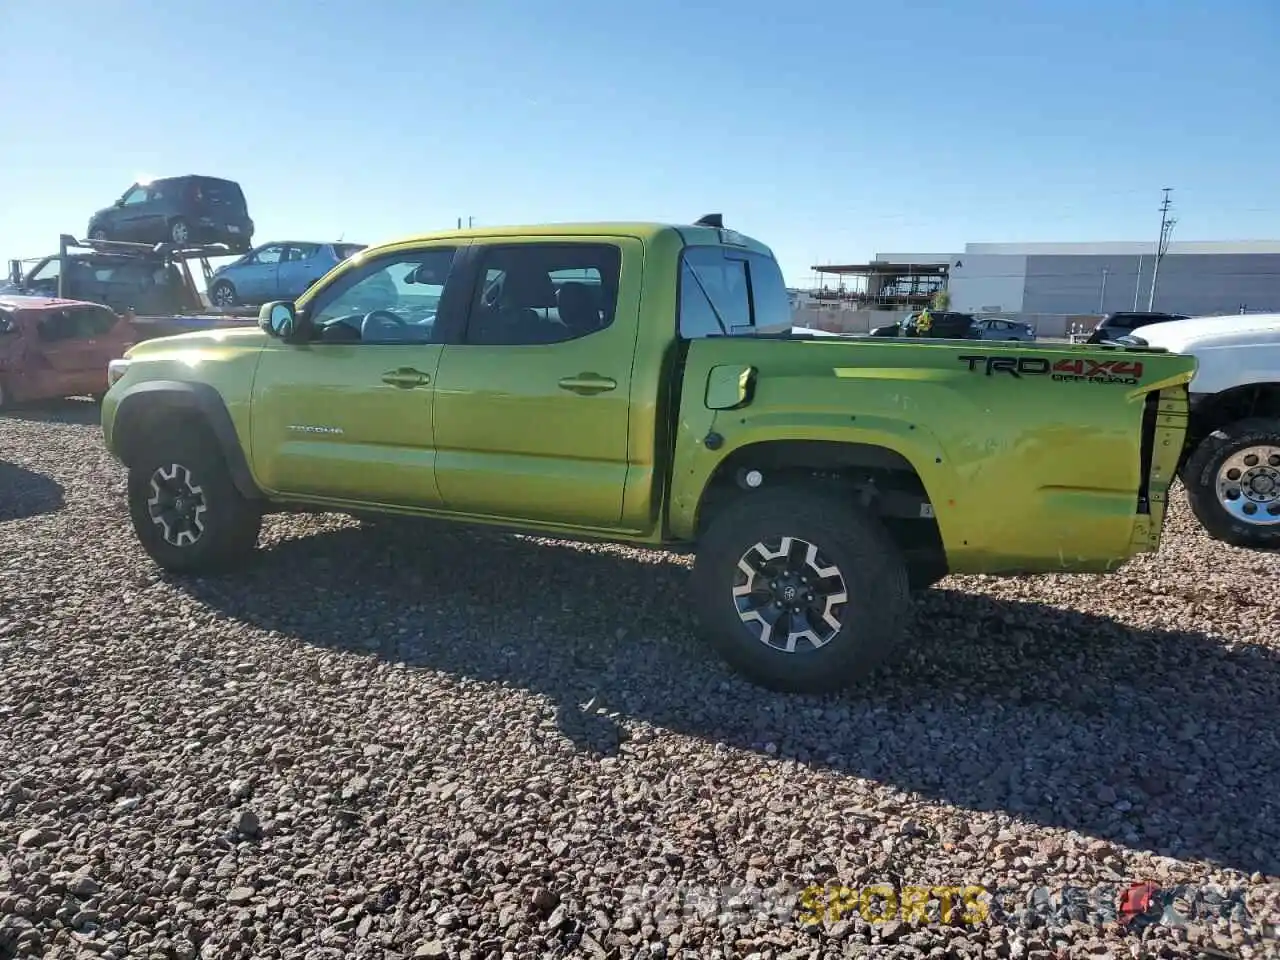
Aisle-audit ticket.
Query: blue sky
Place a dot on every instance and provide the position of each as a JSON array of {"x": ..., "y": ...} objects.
[{"x": 828, "y": 130}]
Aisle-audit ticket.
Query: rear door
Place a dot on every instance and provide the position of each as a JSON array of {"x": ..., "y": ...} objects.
[
  {"x": 531, "y": 410},
  {"x": 302, "y": 265}
]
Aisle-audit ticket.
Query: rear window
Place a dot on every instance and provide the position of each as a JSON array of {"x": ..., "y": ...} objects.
[{"x": 727, "y": 291}]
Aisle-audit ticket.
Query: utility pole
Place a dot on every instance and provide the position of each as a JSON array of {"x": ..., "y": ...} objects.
[
  {"x": 1162, "y": 245},
  {"x": 1102, "y": 294}
]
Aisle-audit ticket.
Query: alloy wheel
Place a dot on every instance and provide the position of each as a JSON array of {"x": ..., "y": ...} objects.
[
  {"x": 177, "y": 505},
  {"x": 786, "y": 592}
]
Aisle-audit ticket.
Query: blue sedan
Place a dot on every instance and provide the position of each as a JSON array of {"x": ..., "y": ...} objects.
[
  {"x": 276, "y": 271},
  {"x": 998, "y": 328}
]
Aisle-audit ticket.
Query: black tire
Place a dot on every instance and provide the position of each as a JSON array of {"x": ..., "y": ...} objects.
[
  {"x": 871, "y": 623},
  {"x": 179, "y": 226},
  {"x": 226, "y": 287},
  {"x": 229, "y": 524},
  {"x": 1200, "y": 476}
]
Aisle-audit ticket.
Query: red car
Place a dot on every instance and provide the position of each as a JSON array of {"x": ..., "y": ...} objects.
[{"x": 52, "y": 348}]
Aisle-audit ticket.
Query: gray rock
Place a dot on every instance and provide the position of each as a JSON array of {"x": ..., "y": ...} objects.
[{"x": 36, "y": 837}]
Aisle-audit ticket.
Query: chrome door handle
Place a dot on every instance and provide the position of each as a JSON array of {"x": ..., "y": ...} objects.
[
  {"x": 588, "y": 383},
  {"x": 406, "y": 377}
]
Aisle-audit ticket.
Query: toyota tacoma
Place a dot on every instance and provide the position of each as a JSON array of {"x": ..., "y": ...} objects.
[{"x": 642, "y": 383}]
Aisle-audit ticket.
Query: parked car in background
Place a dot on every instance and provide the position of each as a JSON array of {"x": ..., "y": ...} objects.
[
  {"x": 274, "y": 271},
  {"x": 186, "y": 210},
  {"x": 1121, "y": 324},
  {"x": 51, "y": 348},
  {"x": 998, "y": 328},
  {"x": 946, "y": 325}
]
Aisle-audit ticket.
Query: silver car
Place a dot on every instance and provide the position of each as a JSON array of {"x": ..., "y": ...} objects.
[{"x": 997, "y": 328}]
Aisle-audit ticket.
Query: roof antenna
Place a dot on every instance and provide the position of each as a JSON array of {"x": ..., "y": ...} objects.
[{"x": 711, "y": 220}]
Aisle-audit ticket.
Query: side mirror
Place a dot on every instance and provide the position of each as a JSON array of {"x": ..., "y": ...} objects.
[
  {"x": 15, "y": 272},
  {"x": 278, "y": 318}
]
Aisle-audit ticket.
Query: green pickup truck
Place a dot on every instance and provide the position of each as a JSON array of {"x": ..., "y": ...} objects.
[{"x": 642, "y": 383}]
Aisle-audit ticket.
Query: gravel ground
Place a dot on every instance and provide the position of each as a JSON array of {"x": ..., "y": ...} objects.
[{"x": 443, "y": 744}]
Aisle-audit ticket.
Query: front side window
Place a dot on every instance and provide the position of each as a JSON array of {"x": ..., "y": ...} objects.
[
  {"x": 268, "y": 255},
  {"x": 135, "y": 196},
  {"x": 540, "y": 293},
  {"x": 49, "y": 270},
  {"x": 390, "y": 300}
]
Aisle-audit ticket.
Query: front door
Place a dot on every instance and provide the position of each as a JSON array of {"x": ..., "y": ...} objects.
[
  {"x": 136, "y": 216},
  {"x": 348, "y": 416},
  {"x": 532, "y": 407},
  {"x": 256, "y": 279}
]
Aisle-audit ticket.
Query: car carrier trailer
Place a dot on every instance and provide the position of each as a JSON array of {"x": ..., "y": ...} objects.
[{"x": 152, "y": 285}]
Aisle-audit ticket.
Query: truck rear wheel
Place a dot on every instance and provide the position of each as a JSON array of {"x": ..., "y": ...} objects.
[
  {"x": 186, "y": 510},
  {"x": 1233, "y": 483},
  {"x": 800, "y": 592}
]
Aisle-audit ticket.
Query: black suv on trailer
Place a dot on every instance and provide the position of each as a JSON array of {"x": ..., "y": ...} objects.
[{"x": 181, "y": 210}]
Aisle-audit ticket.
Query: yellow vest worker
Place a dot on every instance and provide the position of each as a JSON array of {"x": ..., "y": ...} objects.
[{"x": 924, "y": 322}]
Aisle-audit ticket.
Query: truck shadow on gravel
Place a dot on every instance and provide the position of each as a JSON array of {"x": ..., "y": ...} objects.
[
  {"x": 25, "y": 493},
  {"x": 1164, "y": 741}
]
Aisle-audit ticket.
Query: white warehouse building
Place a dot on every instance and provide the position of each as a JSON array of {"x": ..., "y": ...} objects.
[{"x": 1051, "y": 283}]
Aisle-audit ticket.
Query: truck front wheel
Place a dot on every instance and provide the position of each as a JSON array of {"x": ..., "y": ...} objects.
[
  {"x": 186, "y": 510},
  {"x": 1233, "y": 483},
  {"x": 800, "y": 591}
]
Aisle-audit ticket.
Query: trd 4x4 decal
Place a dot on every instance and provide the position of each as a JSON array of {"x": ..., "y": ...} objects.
[{"x": 1083, "y": 370}]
